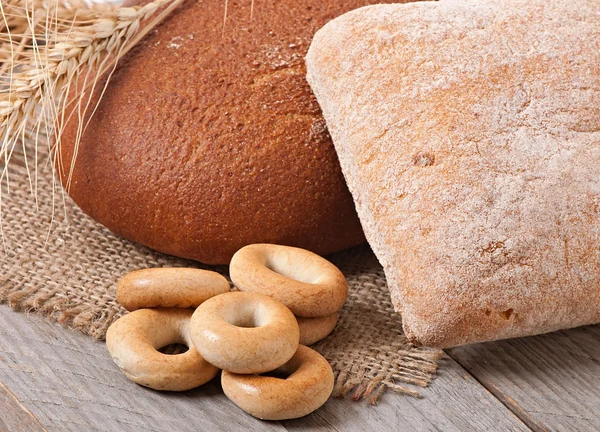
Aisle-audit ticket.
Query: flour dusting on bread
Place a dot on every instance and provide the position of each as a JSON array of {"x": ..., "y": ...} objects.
[{"x": 469, "y": 134}]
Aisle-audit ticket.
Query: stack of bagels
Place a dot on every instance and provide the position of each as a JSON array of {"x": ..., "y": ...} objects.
[{"x": 288, "y": 298}]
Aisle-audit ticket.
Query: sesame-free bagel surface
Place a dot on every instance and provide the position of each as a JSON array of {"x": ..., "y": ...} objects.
[
  {"x": 308, "y": 386},
  {"x": 133, "y": 342},
  {"x": 312, "y": 330},
  {"x": 306, "y": 283},
  {"x": 244, "y": 332},
  {"x": 169, "y": 287},
  {"x": 207, "y": 140}
]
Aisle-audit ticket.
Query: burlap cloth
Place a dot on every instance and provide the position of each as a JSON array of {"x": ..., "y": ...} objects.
[{"x": 66, "y": 268}]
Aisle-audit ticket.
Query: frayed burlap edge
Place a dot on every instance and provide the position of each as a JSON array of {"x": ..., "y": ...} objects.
[{"x": 66, "y": 269}]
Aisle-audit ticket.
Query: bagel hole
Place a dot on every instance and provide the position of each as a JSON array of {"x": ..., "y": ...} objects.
[
  {"x": 174, "y": 349},
  {"x": 283, "y": 372},
  {"x": 245, "y": 321},
  {"x": 249, "y": 315},
  {"x": 277, "y": 373},
  {"x": 300, "y": 274}
]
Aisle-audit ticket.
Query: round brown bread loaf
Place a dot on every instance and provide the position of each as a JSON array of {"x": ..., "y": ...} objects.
[{"x": 208, "y": 138}]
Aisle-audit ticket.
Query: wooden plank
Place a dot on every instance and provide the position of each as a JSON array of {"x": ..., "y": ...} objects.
[
  {"x": 14, "y": 416},
  {"x": 69, "y": 382},
  {"x": 454, "y": 402},
  {"x": 552, "y": 382}
]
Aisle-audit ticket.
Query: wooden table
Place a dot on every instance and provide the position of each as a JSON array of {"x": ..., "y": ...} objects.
[{"x": 55, "y": 379}]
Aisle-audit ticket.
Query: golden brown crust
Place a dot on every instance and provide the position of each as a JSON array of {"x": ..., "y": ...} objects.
[
  {"x": 207, "y": 140},
  {"x": 133, "y": 342},
  {"x": 469, "y": 133},
  {"x": 169, "y": 288},
  {"x": 309, "y": 285},
  {"x": 312, "y": 330},
  {"x": 244, "y": 332},
  {"x": 308, "y": 387}
]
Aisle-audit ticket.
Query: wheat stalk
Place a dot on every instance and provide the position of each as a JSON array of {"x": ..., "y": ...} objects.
[
  {"x": 53, "y": 50},
  {"x": 49, "y": 47}
]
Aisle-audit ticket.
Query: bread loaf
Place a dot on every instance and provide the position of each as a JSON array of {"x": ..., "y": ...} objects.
[
  {"x": 208, "y": 138},
  {"x": 469, "y": 134}
]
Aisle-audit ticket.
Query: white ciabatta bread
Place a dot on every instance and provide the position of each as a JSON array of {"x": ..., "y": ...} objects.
[{"x": 469, "y": 134}]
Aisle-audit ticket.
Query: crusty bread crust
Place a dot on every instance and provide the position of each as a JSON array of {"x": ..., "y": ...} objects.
[
  {"x": 207, "y": 139},
  {"x": 469, "y": 134}
]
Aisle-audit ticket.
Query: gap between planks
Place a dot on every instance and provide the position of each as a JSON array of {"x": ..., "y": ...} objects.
[
  {"x": 506, "y": 400},
  {"x": 14, "y": 416},
  {"x": 551, "y": 381},
  {"x": 69, "y": 382}
]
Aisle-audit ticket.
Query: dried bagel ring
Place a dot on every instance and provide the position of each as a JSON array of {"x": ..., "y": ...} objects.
[
  {"x": 244, "y": 332},
  {"x": 305, "y": 282},
  {"x": 312, "y": 330},
  {"x": 169, "y": 287},
  {"x": 308, "y": 386},
  {"x": 133, "y": 342}
]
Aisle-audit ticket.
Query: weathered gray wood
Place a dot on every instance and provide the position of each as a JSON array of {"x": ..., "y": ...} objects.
[
  {"x": 69, "y": 382},
  {"x": 551, "y": 381},
  {"x": 14, "y": 416},
  {"x": 453, "y": 402}
]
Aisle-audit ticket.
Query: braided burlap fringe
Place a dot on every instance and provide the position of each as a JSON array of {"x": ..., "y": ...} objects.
[{"x": 66, "y": 268}]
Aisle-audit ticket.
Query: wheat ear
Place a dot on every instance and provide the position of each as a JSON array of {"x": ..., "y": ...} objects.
[
  {"x": 51, "y": 50},
  {"x": 50, "y": 47}
]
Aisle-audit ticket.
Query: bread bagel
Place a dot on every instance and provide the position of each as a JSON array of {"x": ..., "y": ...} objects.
[
  {"x": 208, "y": 138},
  {"x": 244, "y": 333},
  {"x": 169, "y": 288},
  {"x": 309, "y": 285},
  {"x": 308, "y": 386},
  {"x": 134, "y": 340}
]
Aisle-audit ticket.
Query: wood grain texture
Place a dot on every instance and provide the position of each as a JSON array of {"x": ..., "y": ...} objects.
[
  {"x": 552, "y": 381},
  {"x": 69, "y": 382},
  {"x": 14, "y": 416},
  {"x": 454, "y": 402}
]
